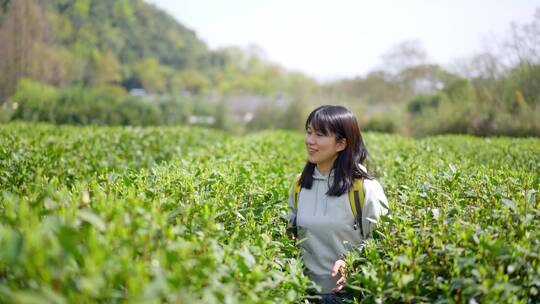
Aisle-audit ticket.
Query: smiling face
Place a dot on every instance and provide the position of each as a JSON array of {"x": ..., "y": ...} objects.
[{"x": 322, "y": 149}]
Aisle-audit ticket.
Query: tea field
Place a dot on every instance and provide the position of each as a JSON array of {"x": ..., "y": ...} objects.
[{"x": 189, "y": 215}]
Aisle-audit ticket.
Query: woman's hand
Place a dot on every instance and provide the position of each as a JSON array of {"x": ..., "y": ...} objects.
[
  {"x": 291, "y": 231},
  {"x": 339, "y": 266}
]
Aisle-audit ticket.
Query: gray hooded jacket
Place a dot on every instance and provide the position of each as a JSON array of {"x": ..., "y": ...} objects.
[{"x": 325, "y": 225}]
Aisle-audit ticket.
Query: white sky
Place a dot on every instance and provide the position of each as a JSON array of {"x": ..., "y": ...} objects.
[{"x": 345, "y": 38}]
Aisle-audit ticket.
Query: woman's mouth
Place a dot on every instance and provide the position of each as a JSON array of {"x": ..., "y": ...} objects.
[{"x": 311, "y": 151}]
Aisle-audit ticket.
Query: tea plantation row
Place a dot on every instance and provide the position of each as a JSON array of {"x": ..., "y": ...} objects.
[{"x": 185, "y": 215}]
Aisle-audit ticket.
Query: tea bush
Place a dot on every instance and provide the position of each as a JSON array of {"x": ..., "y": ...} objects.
[{"x": 175, "y": 214}]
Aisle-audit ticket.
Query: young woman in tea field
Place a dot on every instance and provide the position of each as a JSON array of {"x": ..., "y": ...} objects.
[{"x": 334, "y": 202}]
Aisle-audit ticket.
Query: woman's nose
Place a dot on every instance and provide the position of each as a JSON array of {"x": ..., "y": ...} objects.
[{"x": 309, "y": 139}]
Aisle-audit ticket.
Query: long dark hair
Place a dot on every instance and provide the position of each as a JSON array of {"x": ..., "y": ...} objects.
[{"x": 337, "y": 120}]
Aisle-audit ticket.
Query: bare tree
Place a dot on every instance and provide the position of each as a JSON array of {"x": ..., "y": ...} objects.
[
  {"x": 524, "y": 43},
  {"x": 23, "y": 36},
  {"x": 406, "y": 54},
  {"x": 485, "y": 65}
]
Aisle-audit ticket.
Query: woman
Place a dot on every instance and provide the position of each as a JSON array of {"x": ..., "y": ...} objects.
[{"x": 320, "y": 210}]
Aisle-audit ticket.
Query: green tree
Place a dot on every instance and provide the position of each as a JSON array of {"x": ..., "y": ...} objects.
[
  {"x": 106, "y": 68},
  {"x": 151, "y": 74},
  {"x": 192, "y": 81}
]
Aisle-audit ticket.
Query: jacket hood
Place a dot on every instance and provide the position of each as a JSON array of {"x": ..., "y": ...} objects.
[{"x": 319, "y": 176}]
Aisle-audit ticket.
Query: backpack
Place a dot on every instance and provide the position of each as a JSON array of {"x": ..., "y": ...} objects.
[{"x": 356, "y": 200}]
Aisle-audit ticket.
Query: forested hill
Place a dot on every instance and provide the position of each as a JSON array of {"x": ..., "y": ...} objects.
[
  {"x": 131, "y": 29},
  {"x": 103, "y": 41}
]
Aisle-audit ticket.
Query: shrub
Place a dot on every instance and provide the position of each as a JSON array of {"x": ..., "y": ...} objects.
[
  {"x": 381, "y": 122},
  {"x": 135, "y": 111},
  {"x": 34, "y": 101}
]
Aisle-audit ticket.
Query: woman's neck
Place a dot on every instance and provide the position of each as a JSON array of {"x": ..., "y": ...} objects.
[{"x": 325, "y": 167}]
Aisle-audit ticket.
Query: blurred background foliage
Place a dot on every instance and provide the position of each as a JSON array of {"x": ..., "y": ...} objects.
[{"x": 126, "y": 62}]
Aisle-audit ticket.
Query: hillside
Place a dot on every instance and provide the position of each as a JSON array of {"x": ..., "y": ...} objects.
[{"x": 99, "y": 42}]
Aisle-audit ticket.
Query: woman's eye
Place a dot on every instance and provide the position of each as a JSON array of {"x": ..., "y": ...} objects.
[{"x": 310, "y": 132}]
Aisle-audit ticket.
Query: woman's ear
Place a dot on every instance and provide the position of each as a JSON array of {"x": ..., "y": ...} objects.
[{"x": 341, "y": 144}]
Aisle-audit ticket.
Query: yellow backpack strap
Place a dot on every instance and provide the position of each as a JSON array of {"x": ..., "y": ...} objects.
[
  {"x": 296, "y": 191},
  {"x": 356, "y": 200}
]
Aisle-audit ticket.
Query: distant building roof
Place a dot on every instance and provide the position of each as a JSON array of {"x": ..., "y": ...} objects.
[{"x": 138, "y": 92}]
